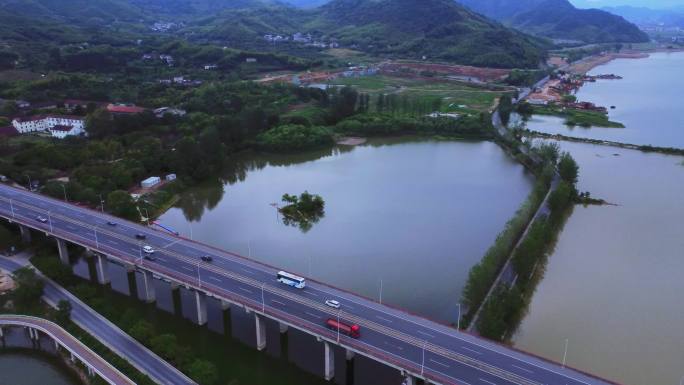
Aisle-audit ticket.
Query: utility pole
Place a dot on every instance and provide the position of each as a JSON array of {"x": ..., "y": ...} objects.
[
  {"x": 101, "y": 204},
  {"x": 263, "y": 301},
  {"x": 97, "y": 244},
  {"x": 338, "y": 326},
  {"x": 50, "y": 221},
  {"x": 422, "y": 365},
  {"x": 12, "y": 208},
  {"x": 565, "y": 353},
  {"x": 30, "y": 185},
  {"x": 65, "y": 194},
  {"x": 199, "y": 277}
]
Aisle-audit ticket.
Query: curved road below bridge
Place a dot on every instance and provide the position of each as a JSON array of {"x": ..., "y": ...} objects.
[{"x": 70, "y": 343}]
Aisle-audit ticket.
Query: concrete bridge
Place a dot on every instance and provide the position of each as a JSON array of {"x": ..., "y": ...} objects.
[
  {"x": 417, "y": 347},
  {"x": 76, "y": 349}
]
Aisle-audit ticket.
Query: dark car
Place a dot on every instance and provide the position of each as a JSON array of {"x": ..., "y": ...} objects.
[
  {"x": 111, "y": 223},
  {"x": 207, "y": 258},
  {"x": 141, "y": 236}
]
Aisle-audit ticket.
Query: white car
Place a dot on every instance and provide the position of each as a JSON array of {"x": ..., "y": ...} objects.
[
  {"x": 148, "y": 249},
  {"x": 332, "y": 303},
  {"x": 41, "y": 218}
]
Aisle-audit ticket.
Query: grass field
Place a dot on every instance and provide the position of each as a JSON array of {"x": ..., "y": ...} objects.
[{"x": 456, "y": 96}]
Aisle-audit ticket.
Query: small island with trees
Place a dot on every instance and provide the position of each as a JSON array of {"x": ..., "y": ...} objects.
[{"x": 303, "y": 210}]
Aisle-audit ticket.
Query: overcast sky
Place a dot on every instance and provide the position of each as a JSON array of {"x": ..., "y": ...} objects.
[{"x": 635, "y": 3}]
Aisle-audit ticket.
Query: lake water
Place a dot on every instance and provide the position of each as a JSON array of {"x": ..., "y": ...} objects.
[
  {"x": 410, "y": 217},
  {"x": 648, "y": 102},
  {"x": 613, "y": 285},
  {"x": 28, "y": 369}
]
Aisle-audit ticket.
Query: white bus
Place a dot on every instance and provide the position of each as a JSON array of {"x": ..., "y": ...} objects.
[{"x": 291, "y": 279}]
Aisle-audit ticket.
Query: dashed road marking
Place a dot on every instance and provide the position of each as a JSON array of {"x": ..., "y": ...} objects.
[
  {"x": 278, "y": 302},
  {"x": 523, "y": 369},
  {"x": 215, "y": 279},
  {"x": 248, "y": 271},
  {"x": 245, "y": 290},
  {"x": 312, "y": 315},
  {"x": 393, "y": 345},
  {"x": 188, "y": 269},
  {"x": 440, "y": 363},
  {"x": 488, "y": 382},
  {"x": 425, "y": 334},
  {"x": 471, "y": 350},
  {"x": 384, "y": 319}
]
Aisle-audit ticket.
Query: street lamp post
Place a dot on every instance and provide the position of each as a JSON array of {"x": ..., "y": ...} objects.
[
  {"x": 380, "y": 290},
  {"x": 65, "y": 194},
  {"x": 458, "y": 320},
  {"x": 50, "y": 221},
  {"x": 101, "y": 204},
  {"x": 97, "y": 244},
  {"x": 422, "y": 365},
  {"x": 147, "y": 216},
  {"x": 338, "y": 326},
  {"x": 565, "y": 352},
  {"x": 199, "y": 277},
  {"x": 30, "y": 185},
  {"x": 263, "y": 301},
  {"x": 12, "y": 208}
]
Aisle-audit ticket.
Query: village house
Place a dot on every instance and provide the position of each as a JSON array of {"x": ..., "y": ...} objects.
[{"x": 59, "y": 126}]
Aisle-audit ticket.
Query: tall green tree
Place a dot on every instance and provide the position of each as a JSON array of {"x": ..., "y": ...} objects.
[{"x": 568, "y": 168}]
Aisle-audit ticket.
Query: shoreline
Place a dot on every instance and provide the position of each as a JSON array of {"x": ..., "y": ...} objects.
[{"x": 591, "y": 62}]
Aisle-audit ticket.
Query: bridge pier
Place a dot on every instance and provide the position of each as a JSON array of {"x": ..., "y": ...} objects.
[
  {"x": 2, "y": 333},
  {"x": 409, "y": 380},
  {"x": 260, "y": 331},
  {"x": 63, "y": 251},
  {"x": 283, "y": 328},
  {"x": 329, "y": 356},
  {"x": 148, "y": 283},
  {"x": 56, "y": 345},
  {"x": 102, "y": 268},
  {"x": 91, "y": 372},
  {"x": 72, "y": 357},
  {"x": 225, "y": 305},
  {"x": 25, "y": 233},
  {"x": 349, "y": 355},
  {"x": 201, "y": 306}
]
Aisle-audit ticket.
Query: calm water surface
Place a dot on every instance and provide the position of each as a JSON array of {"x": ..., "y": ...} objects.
[
  {"x": 413, "y": 216},
  {"x": 613, "y": 285},
  {"x": 648, "y": 102},
  {"x": 20, "y": 368}
]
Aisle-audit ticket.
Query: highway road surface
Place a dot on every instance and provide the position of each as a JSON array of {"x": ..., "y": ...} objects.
[
  {"x": 107, "y": 333},
  {"x": 103, "y": 368},
  {"x": 414, "y": 344}
]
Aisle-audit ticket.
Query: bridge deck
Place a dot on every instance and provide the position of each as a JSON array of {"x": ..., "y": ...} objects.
[{"x": 416, "y": 345}]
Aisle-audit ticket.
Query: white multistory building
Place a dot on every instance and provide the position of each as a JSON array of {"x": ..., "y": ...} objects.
[{"x": 60, "y": 126}]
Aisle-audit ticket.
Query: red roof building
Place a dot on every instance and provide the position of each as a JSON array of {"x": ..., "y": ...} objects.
[{"x": 123, "y": 109}]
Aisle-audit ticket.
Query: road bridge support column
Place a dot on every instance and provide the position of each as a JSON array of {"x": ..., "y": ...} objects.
[
  {"x": 201, "y": 306},
  {"x": 349, "y": 355},
  {"x": 260, "y": 331},
  {"x": 2, "y": 333},
  {"x": 102, "y": 268},
  {"x": 150, "y": 294},
  {"x": 329, "y": 371},
  {"x": 25, "y": 233},
  {"x": 63, "y": 251},
  {"x": 283, "y": 328},
  {"x": 409, "y": 380}
]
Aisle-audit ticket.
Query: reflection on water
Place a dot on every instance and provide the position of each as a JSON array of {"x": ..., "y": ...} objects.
[
  {"x": 414, "y": 215},
  {"x": 613, "y": 285}
]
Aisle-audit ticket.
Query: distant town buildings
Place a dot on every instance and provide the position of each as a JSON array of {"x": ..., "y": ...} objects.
[
  {"x": 59, "y": 126},
  {"x": 210, "y": 67}
]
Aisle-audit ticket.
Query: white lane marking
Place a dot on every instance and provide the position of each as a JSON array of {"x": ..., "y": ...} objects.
[
  {"x": 384, "y": 319},
  {"x": 172, "y": 243},
  {"x": 440, "y": 363},
  {"x": 248, "y": 271},
  {"x": 470, "y": 350},
  {"x": 215, "y": 279},
  {"x": 113, "y": 242},
  {"x": 312, "y": 315},
  {"x": 425, "y": 334},
  {"x": 245, "y": 290},
  {"x": 161, "y": 259},
  {"x": 278, "y": 302},
  {"x": 311, "y": 293},
  {"x": 187, "y": 268},
  {"x": 393, "y": 345},
  {"x": 488, "y": 382},
  {"x": 521, "y": 368}
]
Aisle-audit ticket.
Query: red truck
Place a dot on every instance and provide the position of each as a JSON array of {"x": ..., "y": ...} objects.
[{"x": 352, "y": 331}]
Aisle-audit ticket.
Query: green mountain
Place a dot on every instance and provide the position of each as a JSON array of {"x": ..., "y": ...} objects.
[
  {"x": 434, "y": 29},
  {"x": 559, "y": 19}
]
